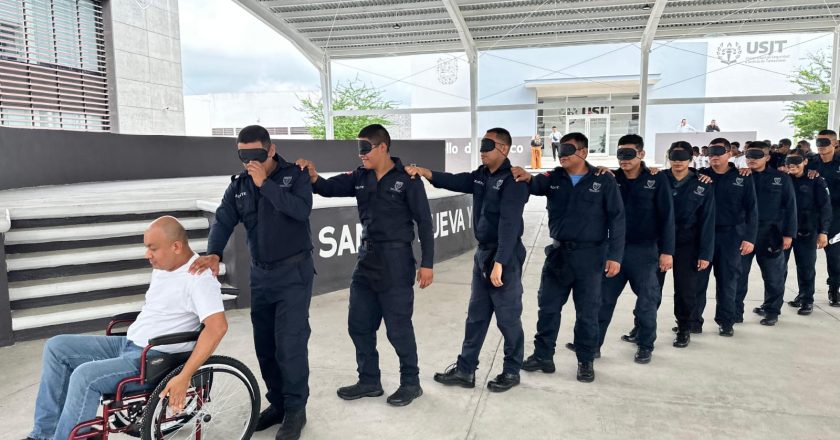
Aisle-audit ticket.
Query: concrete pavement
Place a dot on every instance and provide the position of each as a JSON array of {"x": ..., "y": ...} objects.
[{"x": 780, "y": 382}]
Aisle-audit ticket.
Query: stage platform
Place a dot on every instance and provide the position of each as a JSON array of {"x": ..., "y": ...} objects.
[{"x": 764, "y": 383}]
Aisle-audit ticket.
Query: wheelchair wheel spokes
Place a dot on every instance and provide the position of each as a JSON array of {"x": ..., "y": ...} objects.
[{"x": 222, "y": 403}]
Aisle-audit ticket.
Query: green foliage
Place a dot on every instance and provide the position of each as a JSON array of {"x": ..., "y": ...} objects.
[
  {"x": 350, "y": 95},
  {"x": 809, "y": 117}
]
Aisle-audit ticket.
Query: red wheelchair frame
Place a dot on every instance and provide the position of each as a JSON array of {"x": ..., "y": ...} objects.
[{"x": 122, "y": 401}]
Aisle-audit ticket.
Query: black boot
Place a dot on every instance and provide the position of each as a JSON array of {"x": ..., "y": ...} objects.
[
  {"x": 292, "y": 425},
  {"x": 571, "y": 347},
  {"x": 643, "y": 356},
  {"x": 797, "y": 302},
  {"x": 833, "y": 296},
  {"x": 769, "y": 320},
  {"x": 503, "y": 382},
  {"x": 632, "y": 336},
  {"x": 405, "y": 394},
  {"x": 806, "y": 309},
  {"x": 759, "y": 311},
  {"x": 726, "y": 330},
  {"x": 360, "y": 390},
  {"x": 534, "y": 363},
  {"x": 585, "y": 372},
  {"x": 682, "y": 339},
  {"x": 454, "y": 376},
  {"x": 270, "y": 417}
]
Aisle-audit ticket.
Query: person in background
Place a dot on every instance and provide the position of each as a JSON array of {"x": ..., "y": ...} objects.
[
  {"x": 738, "y": 158},
  {"x": 555, "y": 143},
  {"x": 814, "y": 217},
  {"x": 777, "y": 157},
  {"x": 537, "y": 148},
  {"x": 712, "y": 127},
  {"x": 685, "y": 127}
]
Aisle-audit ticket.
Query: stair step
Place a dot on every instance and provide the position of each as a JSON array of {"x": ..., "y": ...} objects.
[
  {"x": 43, "y": 288},
  {"x": 68, "y": 313},
  {"x": 74, "y": 257},
  {"x": 94, "y": 231}
]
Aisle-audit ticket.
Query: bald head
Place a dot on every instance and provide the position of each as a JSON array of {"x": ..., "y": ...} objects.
[
  {"x": 171, "y": 228},
  {"x": 166, "y": 244}
]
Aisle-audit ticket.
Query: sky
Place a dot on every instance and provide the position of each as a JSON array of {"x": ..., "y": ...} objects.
[{"x": 225, "y": 49}]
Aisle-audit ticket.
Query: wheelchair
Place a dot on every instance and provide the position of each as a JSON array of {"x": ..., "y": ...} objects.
[{"x": 222, "y": 401}]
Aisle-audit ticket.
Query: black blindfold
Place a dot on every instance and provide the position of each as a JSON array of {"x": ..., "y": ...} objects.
[
  {"x": 679, "y": 155},
  {"x": 253, "y": 154}
]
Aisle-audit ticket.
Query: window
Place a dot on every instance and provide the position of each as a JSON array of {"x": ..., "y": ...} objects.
[{"x": 52, "y": 65}]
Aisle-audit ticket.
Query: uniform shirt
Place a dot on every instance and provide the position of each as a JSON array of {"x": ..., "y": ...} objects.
[
  {"x": 776, "y": 160},
  {"x": 694, "y": 212},
  {"x": 735, "y": 201},
  {"x": 830, "y": 171},
  {"x": 776, "y": 200},
  {"x": 813, "y": 204},
  {"x": 739, "y": 162},
  {"x": 498, "y": 202},
  {"x": 388, "y": 208},
  {"x": 648, "y": 209},
  {"x": 591, "y": 211},
  {"x": 176, "y": 302},
  {"x": 276, "y": 215}
]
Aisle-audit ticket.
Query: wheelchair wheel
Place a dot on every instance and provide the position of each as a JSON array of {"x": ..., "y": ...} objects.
[{"x": 223, "y": 402}]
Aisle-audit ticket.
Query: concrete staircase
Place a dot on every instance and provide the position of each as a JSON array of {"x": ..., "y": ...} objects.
[{"x": 70, "y": 273}]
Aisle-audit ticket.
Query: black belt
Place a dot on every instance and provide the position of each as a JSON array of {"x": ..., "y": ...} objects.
[
  {"x": 296, "y": 258},
  {"x": 367, "y": 244},
  {"x": 575, "y": 245}
]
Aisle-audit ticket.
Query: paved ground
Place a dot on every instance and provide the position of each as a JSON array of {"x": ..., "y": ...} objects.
[{"x": 768, "y": 383}]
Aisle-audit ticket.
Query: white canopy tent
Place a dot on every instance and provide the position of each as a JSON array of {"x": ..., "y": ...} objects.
[{"x": 338, "y": 29}]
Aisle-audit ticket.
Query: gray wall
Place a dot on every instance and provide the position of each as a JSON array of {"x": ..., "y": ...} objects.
[{"x": 52, "y": 157}]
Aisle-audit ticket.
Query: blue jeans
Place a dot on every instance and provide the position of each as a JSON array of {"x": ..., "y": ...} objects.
[{"x": 77, "y": 370}]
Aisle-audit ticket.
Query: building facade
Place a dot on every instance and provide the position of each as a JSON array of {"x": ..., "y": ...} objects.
[{"x": 91, "y": 65}]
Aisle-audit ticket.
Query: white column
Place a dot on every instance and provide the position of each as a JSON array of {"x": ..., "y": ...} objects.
[
  {"x": 476, "y": 155},
  {"x": 643, "y": 91},
  {"x": 326, "y": 97},
  {"x": 833, "y": 113}
]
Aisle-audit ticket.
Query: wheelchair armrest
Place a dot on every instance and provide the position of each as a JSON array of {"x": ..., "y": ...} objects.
[
  {"x": 176, "y": 338},
  {"x": 119, "y": 320},
  {"x": 130, "y": 316}
]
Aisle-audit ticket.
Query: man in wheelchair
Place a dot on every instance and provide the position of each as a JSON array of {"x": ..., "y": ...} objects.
[{"x": 78, "y": 369}]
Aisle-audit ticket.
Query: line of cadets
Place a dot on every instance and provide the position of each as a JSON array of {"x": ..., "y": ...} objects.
[{"x": 608, "y": 229}]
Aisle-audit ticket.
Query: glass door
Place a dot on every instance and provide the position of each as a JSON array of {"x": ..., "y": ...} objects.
[{"x": 596, "y": 127}]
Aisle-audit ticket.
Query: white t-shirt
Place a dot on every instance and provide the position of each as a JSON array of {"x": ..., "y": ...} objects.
[
  {"x": 176, "y": 302},
  {"x": 740, "y": 161}
]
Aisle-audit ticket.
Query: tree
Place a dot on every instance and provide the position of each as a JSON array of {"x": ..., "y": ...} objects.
[
  {"x": 351, "y": 95},
  {"x": 809, "y": 117}
]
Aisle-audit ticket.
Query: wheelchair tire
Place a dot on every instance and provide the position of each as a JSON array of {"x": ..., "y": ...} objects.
[{"x": 220, "y": 374}]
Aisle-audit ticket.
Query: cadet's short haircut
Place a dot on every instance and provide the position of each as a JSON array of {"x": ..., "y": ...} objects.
[
  {"x": 827, "y": 133},
  {"x": 722, "y": 141},
  {"x": 254, "y": 133},
  {"x": 376, "y": 134},
  {"x": 682, "y": 145},
  {"x": 632, "y": 139},
  {"x": 759, "y": 145},
  {"x": 502, "y": 135},
  {"x": 803, "y": 142},
  {"x": 785, "y": 142},
  {"x": 796, "y": 152},
  {"x": 580, "y": 139},
  {"x": 553, "y": 126},
  {"x": 693, "y": 149}
]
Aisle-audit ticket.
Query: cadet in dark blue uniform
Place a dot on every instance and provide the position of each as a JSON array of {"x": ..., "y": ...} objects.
[
  {"x": 694, "y": 219},
  {"x": 828, "y": 166},
  {"x": 649, "y": 244},
  {"x": 498, "y": 202},
  {"x": 776, "y": 229},
  {"x": 586, "y": 224},
  {"x": 813, "y": 207},
  {"x": 390, "y": 203},
  {"x": 736, "y": 226},
  {"x": 273, "y": 199}
]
